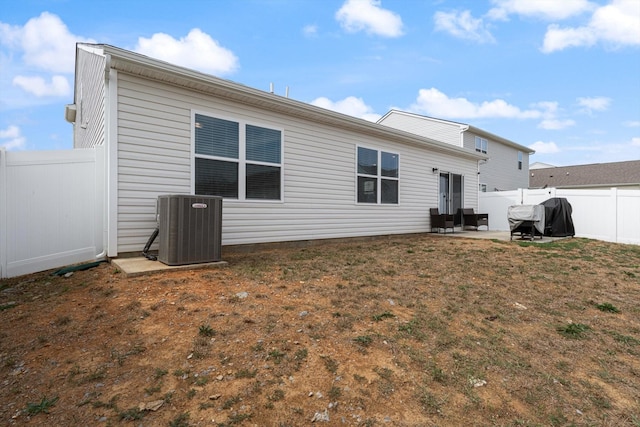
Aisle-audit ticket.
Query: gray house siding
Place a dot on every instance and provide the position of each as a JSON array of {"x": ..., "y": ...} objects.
[{"x": 319, "y": 162}]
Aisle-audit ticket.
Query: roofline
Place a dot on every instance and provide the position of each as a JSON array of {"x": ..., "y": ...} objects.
[
  {"x": 589, "y": 164},
  {"x": 463, "y": 127},
  {"x": 138, "y": 64}
]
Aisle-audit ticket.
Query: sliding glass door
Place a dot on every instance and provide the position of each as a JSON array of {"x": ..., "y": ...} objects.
[{"x": 451, "y": 195}]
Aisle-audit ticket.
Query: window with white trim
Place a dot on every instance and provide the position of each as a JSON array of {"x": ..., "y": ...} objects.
[
  {"x": 519, "y": 160},
  {"x": 237, "y": 160},
  {"x": 482, "y": 145},
  {"x": 377, "y": 176}
]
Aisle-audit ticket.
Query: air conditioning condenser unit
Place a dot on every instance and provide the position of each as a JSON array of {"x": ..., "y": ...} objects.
[{"x": 190, "y": 229}]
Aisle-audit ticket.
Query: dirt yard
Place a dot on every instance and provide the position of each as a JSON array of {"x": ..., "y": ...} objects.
[{"x": 405, "y": 331}]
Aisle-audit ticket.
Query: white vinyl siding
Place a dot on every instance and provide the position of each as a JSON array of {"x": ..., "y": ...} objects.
[
  {"x": 319, "y": 188},
  {"x": 500, "y": 171},
  {"x": 89, "y": 128},
  {"x": 427, "y": 127}
]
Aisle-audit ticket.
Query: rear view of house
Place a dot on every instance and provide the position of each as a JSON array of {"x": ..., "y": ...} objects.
[{"x": 287, "y": 170}]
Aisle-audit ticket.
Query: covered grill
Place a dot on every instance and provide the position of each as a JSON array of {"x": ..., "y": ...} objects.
[{"x": 528, "y": 220}]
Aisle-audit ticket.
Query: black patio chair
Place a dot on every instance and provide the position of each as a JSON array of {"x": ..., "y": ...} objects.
[
  {"x": 472, "y": 219},
  {"x": 441, "y": 221}
]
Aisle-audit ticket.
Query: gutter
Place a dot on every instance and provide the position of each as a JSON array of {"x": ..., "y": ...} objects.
[{"x": 133, "y": 63}]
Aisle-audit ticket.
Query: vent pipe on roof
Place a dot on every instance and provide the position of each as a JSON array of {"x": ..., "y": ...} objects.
[
  {"x": 286, "y": 92},
  {"x": 271, "y": 87}
]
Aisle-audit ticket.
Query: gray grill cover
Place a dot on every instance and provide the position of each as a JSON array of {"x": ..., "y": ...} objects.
[{"x": 518, "y": 214}]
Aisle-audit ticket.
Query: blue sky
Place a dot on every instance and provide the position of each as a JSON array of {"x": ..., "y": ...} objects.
[{"x": 559, "y": 76}]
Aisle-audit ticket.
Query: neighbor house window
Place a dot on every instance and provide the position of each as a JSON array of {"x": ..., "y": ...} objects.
[
  {"x": 237, "y": 160},
  {"x": 481, "y": 145},
  {"x": 519, "y": 160},
  {"x": 482, "y": 188},
  {"x": 378, "y": 175}
]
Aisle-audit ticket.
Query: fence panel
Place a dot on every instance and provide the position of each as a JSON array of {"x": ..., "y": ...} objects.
[
  {"x": 628, "y": 224},
  {"x": 611, "y": 215},
  {"x": 51, "y": 214}
]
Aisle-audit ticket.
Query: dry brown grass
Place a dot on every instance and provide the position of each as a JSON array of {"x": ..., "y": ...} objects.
[{"x": 395, "y": 331}]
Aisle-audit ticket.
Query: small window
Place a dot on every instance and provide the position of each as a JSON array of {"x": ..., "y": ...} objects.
[
  {"x": 482, "y": 188},
  {"x": 482, "y": 145},
  {"x": 237, "y": 160},
  {"x": 519, "y": 160},
  {"x": 378, "y": 176}
]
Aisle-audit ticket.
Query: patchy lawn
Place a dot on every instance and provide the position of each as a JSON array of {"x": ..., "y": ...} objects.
[{"x": 402, "y": 331}]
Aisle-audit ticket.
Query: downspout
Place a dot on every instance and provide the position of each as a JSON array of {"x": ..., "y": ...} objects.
[
  {"x": 463, "y": 129},
  {"x": 478, "y": 184},
  {"x": 105, "y": 180}
]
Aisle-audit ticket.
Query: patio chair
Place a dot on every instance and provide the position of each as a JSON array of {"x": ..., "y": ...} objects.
[
  {"x": 472, "y": 219},
  {"x": 441, "y": 221}
]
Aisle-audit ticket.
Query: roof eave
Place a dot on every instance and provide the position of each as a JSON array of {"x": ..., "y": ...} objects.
[
  {"x": 500, "y": 139},
  {"x": 137, "y": 64}
]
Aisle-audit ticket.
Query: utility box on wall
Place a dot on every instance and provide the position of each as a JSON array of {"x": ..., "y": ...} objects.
[{"x": 190, "y": 229}]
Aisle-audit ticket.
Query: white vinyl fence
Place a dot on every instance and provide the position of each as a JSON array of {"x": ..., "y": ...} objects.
[
  {"x": 51, "y": 209},
  {"x": 612, "y": 215}
]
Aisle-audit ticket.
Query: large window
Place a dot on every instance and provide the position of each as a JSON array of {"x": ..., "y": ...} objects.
[
  {"x": 378, "y": 175},
  {"x": 482, "y": 145},
  {"x": 237, "y": 160}
]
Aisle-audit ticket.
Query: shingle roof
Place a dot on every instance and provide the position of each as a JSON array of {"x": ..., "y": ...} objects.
[{"x": 597, "y": 174}]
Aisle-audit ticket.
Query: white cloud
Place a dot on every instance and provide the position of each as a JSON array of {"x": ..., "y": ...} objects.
[
  {"x": 550, "y": 108},
  {"x": 558, "y": 38},
  {"x": 367, "y": 15},
  {"x": 632, "y": 124},
  {"x": 197, "y": 50},
  {"x": 45, "y": 43},
  {"x": 598, "y": 103},
  {"x": 541, "y": 147},
  {"x": 59, "y": 86},
  {"x": 11, "y": 138},
  {"x": 635, "y": 142},
  {"x": 351, "y": 105},
  {"x": 432, "y": 102},
  {"x": 545, "y": 9},
  {"x": 462, "y": 25},
  {"x": 555, "y": 124},
  {"x": 310, "y": 30},
  {"x": 616, "y": 24}
]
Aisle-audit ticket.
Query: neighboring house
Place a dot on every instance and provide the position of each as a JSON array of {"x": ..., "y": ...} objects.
[
  {"x": 287, "y": 170},
  {"x": 540, "y": 165},
  {"x": 507, "y": 166},
  {"x": 596, "y": 175}
]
